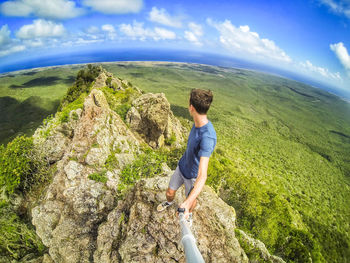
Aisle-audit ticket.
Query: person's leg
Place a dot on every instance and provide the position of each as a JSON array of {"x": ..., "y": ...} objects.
[
  {"x": 176, "y": 181},
  {"x": 189, "y": 183},
  {"x": 170, "y": 194}
]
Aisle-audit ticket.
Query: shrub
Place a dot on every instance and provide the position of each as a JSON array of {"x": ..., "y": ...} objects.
[
  {"x": 173, "y": 155},
  {"x": 169, "y": 141},
  {"x": 19, "y": 164},
  {"x": 17, "y": 239},
  {"x": 76, "y": 104},
  {"x": 109, "y": 82},
  {"x": 82, "y": 84},
  {"x": 123, "y": 109},
  {"x": 112, "y": 161}
]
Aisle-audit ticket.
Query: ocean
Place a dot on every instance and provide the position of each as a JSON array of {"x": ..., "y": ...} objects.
[{"x": 160, "y": 55}]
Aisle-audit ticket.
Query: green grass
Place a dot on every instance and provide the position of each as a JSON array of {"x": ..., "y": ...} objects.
[
  {"x": 98, "y": 177},
  {"x": 17, "y": 237},
  {"x": 282, "y": 158},
  {"x": 28, "y": 97}
]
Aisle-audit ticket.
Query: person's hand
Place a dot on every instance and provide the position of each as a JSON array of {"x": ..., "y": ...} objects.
[{"x": 187, "y": 206}]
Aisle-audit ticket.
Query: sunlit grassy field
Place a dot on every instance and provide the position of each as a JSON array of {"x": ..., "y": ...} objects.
[{"x": 283, "y": 153}]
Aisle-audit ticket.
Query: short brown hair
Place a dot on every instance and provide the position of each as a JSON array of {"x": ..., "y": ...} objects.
[{"x": 201, "y": 100}]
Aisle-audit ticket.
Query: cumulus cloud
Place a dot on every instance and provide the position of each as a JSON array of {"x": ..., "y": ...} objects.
[
  {"x": 342, "y": 54},
  {"x": 243, "y": 42},
  {"x": 162, "y": 33},
  {"x": 110, "y": 30},
  {"x": 193, "y": 35},
  {"x": 92, "y": 30},
  {"x": 41, "y": 29},
  {"x": 161, "y": 16},
  {"x": 10, "y": 50},
  {"x": 115, "y": 6},
  {"x": 138, "y": 31},
  {"x": 4, "y": 35},
  {"x": 51, "y": 9},
  {"x": 320, "y": 71},
  {"x": 339, "y": 7},
  {"x": 7, "y": 45}
]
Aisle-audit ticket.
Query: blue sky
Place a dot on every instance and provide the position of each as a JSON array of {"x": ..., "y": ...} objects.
[{"x": 309, "y": 37}]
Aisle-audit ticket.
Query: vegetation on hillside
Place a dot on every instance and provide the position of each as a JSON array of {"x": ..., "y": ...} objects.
[
  {"x": 277, "y": 161},
  {"x": 22, "y": 171},
  {"x": 82, "y": 84},
  {"x": 27, "y": 97},
  {"x": 282, "y": 158}
]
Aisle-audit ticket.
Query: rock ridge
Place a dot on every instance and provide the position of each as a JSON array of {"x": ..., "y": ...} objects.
[{"x": 83, "y": 218}]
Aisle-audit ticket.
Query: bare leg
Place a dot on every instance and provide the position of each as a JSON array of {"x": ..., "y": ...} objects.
[
  {"x": 193, "y": 205},
  {"x": 170, "y": 194}
]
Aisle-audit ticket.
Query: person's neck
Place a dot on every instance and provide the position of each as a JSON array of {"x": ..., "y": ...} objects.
[{"x": 200, "y": 120}]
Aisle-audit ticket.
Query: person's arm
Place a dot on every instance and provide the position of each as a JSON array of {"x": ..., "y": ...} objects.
[{"x": 198, "y": 185}]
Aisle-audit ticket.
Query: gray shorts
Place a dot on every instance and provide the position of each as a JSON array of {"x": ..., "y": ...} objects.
[{"x": 177, "y": 179}]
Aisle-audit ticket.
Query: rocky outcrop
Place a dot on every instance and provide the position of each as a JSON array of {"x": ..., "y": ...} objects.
[
  {"x": 68, "y": 216},
  {"x": 81, "y": 217},
  {"x": 151, "y": 117},
  {"x": 135, "y": 232}
]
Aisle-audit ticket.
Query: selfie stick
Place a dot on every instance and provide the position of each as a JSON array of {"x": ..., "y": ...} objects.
[{"x": 189, "y": 242}]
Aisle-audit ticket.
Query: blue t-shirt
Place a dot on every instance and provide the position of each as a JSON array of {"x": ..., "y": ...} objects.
[{"x": 201, "y": 142}]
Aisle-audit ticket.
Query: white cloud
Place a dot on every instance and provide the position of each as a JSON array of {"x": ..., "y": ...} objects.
[
  {"x": 320, "y": 71},
  {"x": 342, "y": 54},
  {"x": 161, "y": 16},
  {"x": 193, "y": 35},
  {"x": 339, "y": 7},
  {"x": 12, "y": 49},
  {"x": 115, "y": 6},
  {"x": 4, "y": 35},
  {"x": 137, "y": 31},
  {"x": 51, "y": 9},
  {"x": 162, "y": 33},
  {"x": 196, "y": 29},
  {"x": 41, "y": 29},
  {"x": 7, "y": 45},
  {"x": 33, "y": 42},
  {"x": 243, "y": 42},
  {"x": 92, "y": 30},
  {"x": 111, "y": 33},
  {"x": 108, "y": 28}
]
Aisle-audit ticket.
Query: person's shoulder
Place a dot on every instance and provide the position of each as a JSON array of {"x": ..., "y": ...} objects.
[
  {"x": 210, "y": 131},
  {"x": 211, "y": 127}
]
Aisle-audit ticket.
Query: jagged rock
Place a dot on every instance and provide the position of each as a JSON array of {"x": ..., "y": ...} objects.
[
  {"x": 151, "y": 117},
  {"x": 68, "y": 216},
  {"x": 256, "y": 249},
  {"x": 136, "y": 232},
  {"x": 83, "y": 220},
  {"x": 54, "y": 137}
]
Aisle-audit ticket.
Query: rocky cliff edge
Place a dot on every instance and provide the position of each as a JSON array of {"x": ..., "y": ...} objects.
[{"x": 81, "y": 219}]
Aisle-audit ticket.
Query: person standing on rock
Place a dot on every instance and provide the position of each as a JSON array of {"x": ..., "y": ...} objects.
[{"x": 193, "y": 165}]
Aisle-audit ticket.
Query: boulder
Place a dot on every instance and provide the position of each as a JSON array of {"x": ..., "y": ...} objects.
[{"x": 151, "y": 117}]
